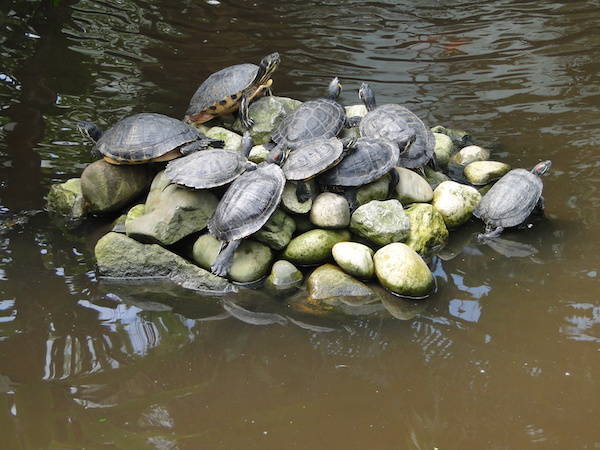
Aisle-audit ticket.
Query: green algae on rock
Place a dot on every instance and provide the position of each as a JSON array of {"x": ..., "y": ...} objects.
[
  {"x": 428, "y": 230},
  {"x": 314, "y": 246},
  {"x": 381, "y": 222},
  {"x": 455, "y": 202}
]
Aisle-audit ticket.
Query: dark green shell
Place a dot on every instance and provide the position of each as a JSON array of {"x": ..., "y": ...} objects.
[{"x": 312, "y": 157}]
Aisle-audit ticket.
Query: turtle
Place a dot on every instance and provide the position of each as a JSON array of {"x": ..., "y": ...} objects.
[
  {"x": 320, "y": 118},
  {"x": 211, "y": 168},
  {"x": 230, "y": 89},
  {"x": 370, "y": 159},
  {"x": 244, "y": 208},
  {"x": 145, "y": 137},
  {"x": 397, "y": 123},
  {"x": 512, "y": 199},
  {"x": 312, "y": 158}
]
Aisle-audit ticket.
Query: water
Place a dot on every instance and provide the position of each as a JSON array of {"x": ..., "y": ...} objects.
[{"x": 504, "y": 355}]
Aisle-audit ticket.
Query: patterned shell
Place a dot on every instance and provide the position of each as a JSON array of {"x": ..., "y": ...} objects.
[
  {"x": 143, "y": 137},
  {"x": 220, "y": 85},
  {"x": 371, "y": 159},
  {"x": 511, "y": 200},
  {"x": 312, "y": 158},
  {"x": 248, "y": 203},
  {"x": 397, "y": 123},
  {"x": 206, "y": 169},
  {"x": 316, "y": 118}
]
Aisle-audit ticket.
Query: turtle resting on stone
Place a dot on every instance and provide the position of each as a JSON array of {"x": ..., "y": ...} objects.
[
  {"x": 145, "y": 137},
  {"x": 400, "y": 125},
  {"x": 511, "y": 200},
  {"x": 230, "y": 89},
  {"x": 320, "y": 118},
  {"x": 211, "y": 168}
]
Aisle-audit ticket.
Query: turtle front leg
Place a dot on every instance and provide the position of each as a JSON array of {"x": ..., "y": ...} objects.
[
  {"x": 245, "y": 118},
  {"x": 539, "y": 207},
  {"x": 224, "y": 260},
  {"x": 200, "y": 144},
  {"x": 302, "y": 191},
  {"x": 352, "y": 122},
  {"x": 490, "y": 234}
]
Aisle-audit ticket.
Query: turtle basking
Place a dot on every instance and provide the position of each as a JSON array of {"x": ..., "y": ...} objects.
[
  {"x": 145, "y": 137},
  {"x": 211, "y": 168},
  {"x": 230, "y": 89},
  {"x": 400, "y": 125},
  {"x": 320, "y": 118},
  {"x": 512, "y": 199}
]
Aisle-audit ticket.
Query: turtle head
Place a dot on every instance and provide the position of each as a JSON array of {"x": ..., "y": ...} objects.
[
  {"x": 367, "y": 96},
  {"x": 276, "y": 155},
  {"x": 541, "y": 168},
  {"x": 267, "y": 66},
  {"x": 89, "y": 130},
  {"x": 334, "y": 89}
]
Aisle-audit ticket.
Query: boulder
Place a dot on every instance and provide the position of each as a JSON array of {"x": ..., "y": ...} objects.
[
  {"x": 284, "y": 276},
  {"x": 412, "y": 187},
  {"x": 428, "y": 231},
  {"x": 401, "y": 270},
  {"x": 330, "y": 211},
  {"x": 108, "y": 188},
  {"x": 66, "y": 199},
  {"x": 314, "y": 246},
  {"x": 467, "y": 155},
  {"x": 455, "y": 202},
  {"x": 380, "y": 222},
  {"x": 233, "y": 141},
  {"x": 251, "y": 260},
  {"x": 444, "y": 147},
  {"x": 290, "y": 201},
  {"x": 377, "y": 190},
  {"x": 354, "y": 258},
  {"x": 277, "y": 232},
  {"x": 484, "y": 172},
  {"x": 119, "y": 256}
]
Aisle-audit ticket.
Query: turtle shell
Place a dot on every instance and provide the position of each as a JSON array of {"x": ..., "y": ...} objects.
[
  {"x": 221, "y": 85},
  {"x": 371, "y": 159},
  {"x": 312, "y": 158},
  {"x": 313, "y": 119},
  {"x": 398, "y": 124},
  {"x": 511, "y": 200},
  {"x": 144, "y": 137},
  {"x": 207, "y": 169},
  {"x": 248, "y": 203}
]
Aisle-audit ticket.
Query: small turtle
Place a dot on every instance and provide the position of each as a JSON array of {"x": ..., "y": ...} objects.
[
  {"x": 231, "y": 88},
  {"x": 512, "y": 199},
  {"x": 246, "y": 206},
  {"x": 400, "y": 125},
  {"x": 312, "y": 158},
  {"x": 211, "y": 168},
  {"x": 370, "y": 159},
  {"x": 320, "y": 118},
  {"x": 145, "y": 137}
]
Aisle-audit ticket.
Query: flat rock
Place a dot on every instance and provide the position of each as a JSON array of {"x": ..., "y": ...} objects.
[
  {"x": 428, "y": 230},
  {"x": 66, "y": 199},
  {"x": 277, "y": 232},
  {"x": 484, "y": 172},
  {"x": 455, "y": 202},
  {"x": 314, "y": 246},
  {"x": 401, "y": 270},
  {"x": 330, "y": 211},
  {"x": 354, "y": 259},
  {"x": 380, "y": 222},
  {"x": 412, "y": 187}
]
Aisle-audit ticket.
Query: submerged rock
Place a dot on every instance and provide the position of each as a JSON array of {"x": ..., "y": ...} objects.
[
  {"x": 330, "y": 211},
  {"x": 484, "y": 172},
  {"x": 277, "y": 232},
  {"x": 380, "y": 222},
  {"x": 119, "y": 256},
  {"x": 401, "y": 270},
  {"x": 66, "y": 199},
  {"x": 444, "y": 147},
  {"x": 233, "y": 141},
  {"x": 377, "y": 190},
  {"x": 412, "y": 187},
  {"x": 401, "y": 308},
  {"x": 455, "y": 202},
  {"x": 427, "y": 228},
  {"x": 314, "y": 246},
  {"x": 355, "y": 259},
  {"x": 284, "y": 276}
]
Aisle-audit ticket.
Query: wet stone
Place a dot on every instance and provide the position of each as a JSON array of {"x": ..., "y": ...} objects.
[
  {"x": 355, "y": 259},
  {"x": 444, "y": 147},
  {"x": 330, "y": 211},
  {"x": 277, "y": 232},
  {"x": 412, "y": 187},
  {"x": 435, "y": 178},
  {"x": 377, "y": 190},
  {"x": 484, "y": 172},
  {"x": 284, "y": 275},
  {"x": 380, "y": 222},
  {"x": 455, "y": 202},
  {"x": 66, "y": 199},
  {"x": 233, "y": 141},
  {"x": 428, "y": 231},
  {"x": 314, "y": 246},
  {"x": 469, "y": 154},
  {"x": 401, "y": 270}
]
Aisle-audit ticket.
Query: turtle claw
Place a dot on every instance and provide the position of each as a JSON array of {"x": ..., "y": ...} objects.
[{"x": 248, "y": 123}]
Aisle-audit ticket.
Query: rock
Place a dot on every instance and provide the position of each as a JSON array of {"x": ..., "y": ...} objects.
[
  {"x": 303, "y": 224},
  {"x": 435, "y": 178},
  {"x": 412, "y": 187},
  {"x": 258, "y": 154},
  {"x": 455, "y": 202},
  {"x": 330, "y": 211},
  {"x": 172, "y": 213},
  {"x": 267, "y": 112},
  {"x": 251, "y": 260},
  {"x": 401, "y": 270},
  {"x": 354, "y": 259},
  {"x": 443, "y": 149},
  {"x": 122, "y": 257},
  {"x": 380, "y": 222},
  {"x": 401, "y": 308},
  {"x": 353, "y": 111},
  {"x": 233, "y": 141},
  {"x": 377, "y": 190},
  {"x": 472, "y": 153},
  {"x": 66, "y": 199},
  {"x": 427, "y": 228},
  {"x": 118, "y": 225},
  {"x": 483, "y": 172},
  {"x": 108, "y": 187},
  {"x": 284, "y": 276},
  {"x": 278, "y": 230},
  {"x": 460, "y": 138},
  {"x": 314, "y": 246},
  {"x": 290, "y": 201},
  {"x": 135, "y": 212}
]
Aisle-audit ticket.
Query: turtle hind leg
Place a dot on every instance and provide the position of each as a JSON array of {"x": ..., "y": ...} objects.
[
  {"x": 224, "y": 260},
  {"x": 490, "y": 233},
  {"x": 350, "y": 195},
  {"x": 302, "y": 191}
]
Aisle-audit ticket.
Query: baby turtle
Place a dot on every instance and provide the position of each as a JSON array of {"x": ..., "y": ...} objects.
[
  {"x": 211, "y": 168},
  {"x": 370, "y": 159},
  {"x": 512, "y": 199},
  {"x": 320, "y": 118},
  {"x": 231, "y": 88},
  {"x": 400, "y": 125},
  {"x": 246, "y": 206},
  {"x": 145, "y": 137}
]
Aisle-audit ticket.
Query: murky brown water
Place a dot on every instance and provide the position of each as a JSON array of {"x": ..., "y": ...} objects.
[{"x": 505, "y": 356}]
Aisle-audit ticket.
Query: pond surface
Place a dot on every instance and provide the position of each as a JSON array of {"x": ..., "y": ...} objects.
[{"x": 505, "y": 356}]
